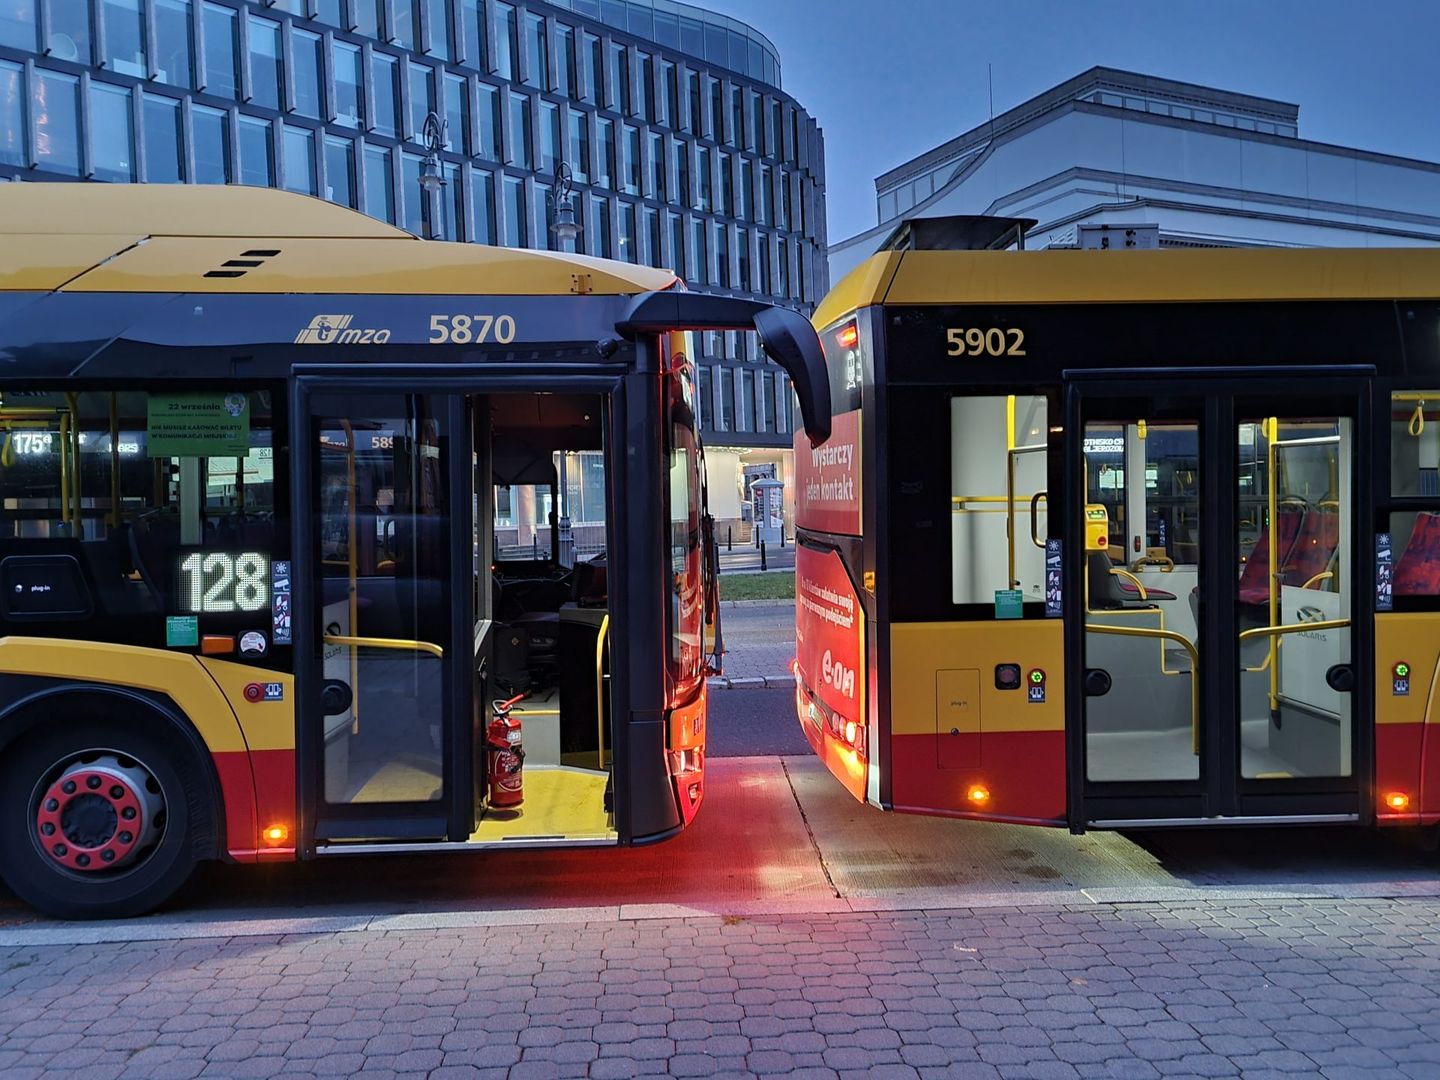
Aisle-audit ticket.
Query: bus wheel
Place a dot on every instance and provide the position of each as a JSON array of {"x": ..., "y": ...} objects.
[{"x": 96, "y": 822}]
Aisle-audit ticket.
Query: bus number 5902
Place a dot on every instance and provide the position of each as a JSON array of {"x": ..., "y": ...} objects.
[{"x": 991, "y": 342}]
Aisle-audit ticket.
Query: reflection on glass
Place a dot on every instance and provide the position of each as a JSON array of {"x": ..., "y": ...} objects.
[
  {"x": 379, "y": 184},
  {"x": 515, "y": 212},
  {"x": 72, "y": 30},
  {"x": 507, "y": 44},
  {"x": 305, "y": 47},
  {"x": 442, "y": 36},
  {"x": 221, "y": 45},
  {"x": 212, "y": 145},
  {"x": 257, "y": 158},
  {"x": 349, "y": 92},
  {"x": 265, "y": 76},
  {"x": 520, "y": 136},
  {"x": 383, "y": 536},
  {"x": 125, "y": 37},
  {"x": 536, "y": 54},
  {"x": 164, "y": 155},
  {"x": 457, "y": 113},
  {"x": 1293, "y": 596},
  {"x": 489, "y": 117},
  {"x": 300, "y": 160},
  {"x": 385, "y": 74},
  {"x": 12, "y": 115},
  {"x": 1141, "y": 616},
  {"x": 600, "y": 239},
  {"x": 422, "y": 97},
  {"x": 482, "y": 200},
  {"x": 56, "y": 116},
  {"x": 112, "y": 134},
  {"x": 172, "y": 42},
  {"x": 340, "y": 171}
]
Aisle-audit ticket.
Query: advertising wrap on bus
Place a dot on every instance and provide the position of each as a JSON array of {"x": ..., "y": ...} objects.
[
  {"x": 830, "y": 654},
  {"x": 827, "y": 479}
]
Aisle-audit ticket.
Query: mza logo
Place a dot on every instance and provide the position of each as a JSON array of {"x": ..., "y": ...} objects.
[{"x": 336, "y": 330}]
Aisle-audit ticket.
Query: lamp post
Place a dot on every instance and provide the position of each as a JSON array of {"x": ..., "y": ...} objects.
[
  {"x": 565, "y": 230},
  {"x": 432, "y": 175}
]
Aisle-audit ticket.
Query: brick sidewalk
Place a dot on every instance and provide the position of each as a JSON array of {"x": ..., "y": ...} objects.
[
  {"x": 1337, "y": 988},
  {"x": 759, "y": 644}
]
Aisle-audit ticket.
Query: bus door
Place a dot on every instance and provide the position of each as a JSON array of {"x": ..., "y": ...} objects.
[
  {"x": 383, "y": 621},
  {"x": 1216, "y": 599}
]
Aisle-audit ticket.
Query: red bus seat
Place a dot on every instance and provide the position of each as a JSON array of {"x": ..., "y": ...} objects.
[
  {"x": 1254, "y": 576},
  {"x": 1314, "y": 549},
  {"x": 1418, "y": 571}
]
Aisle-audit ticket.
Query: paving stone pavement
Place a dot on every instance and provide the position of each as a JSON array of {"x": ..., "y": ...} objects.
[
  {"x": 759, "y": 644},
  {"x": 1334, "y": 988}
]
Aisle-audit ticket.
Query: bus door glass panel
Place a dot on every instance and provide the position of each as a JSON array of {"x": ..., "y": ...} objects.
[
  {"x": 1293, "y": 601},
  {"x": 1141, "y": 608},
  {"x": 383, "y": 532}
]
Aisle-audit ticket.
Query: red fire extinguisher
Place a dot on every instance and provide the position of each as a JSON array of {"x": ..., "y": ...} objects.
[{"x": 505, "y": 757}]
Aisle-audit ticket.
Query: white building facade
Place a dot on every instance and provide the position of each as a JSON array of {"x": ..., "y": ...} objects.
[{"x": 1208, "y": 167}]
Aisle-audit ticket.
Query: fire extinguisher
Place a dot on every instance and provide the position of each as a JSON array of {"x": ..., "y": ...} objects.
[{"x": 505, "y": 757}]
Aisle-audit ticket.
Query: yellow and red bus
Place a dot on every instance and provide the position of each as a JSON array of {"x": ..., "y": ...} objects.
[
  {"x": 1122, "y": 538},
  {"x": 292, "y": 499}
]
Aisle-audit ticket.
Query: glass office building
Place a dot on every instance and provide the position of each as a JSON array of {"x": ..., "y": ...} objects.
[{"x": 684, "y": 150}]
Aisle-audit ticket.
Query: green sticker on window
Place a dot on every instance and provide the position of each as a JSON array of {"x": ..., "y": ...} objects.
[
  {"x": 197, "y": 425},
  {"x": 1009, "y": 604},
  {"x": 182, "y": 631}
]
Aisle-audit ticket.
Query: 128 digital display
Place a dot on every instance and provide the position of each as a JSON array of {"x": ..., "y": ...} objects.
[{"x": 224, "y": 582}]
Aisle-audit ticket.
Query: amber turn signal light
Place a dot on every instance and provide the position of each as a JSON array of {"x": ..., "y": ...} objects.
[
  {"x": 978, "y": 795},
  {"x": 1397, "y": 800},
  {"x": 276, "y": 834}
]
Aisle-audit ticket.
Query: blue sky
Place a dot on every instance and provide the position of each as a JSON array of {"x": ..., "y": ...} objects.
[{"x": 888, "y": 79}]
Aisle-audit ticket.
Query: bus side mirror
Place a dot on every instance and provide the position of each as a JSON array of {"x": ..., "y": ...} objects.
[{"x": 788, "y": 338}]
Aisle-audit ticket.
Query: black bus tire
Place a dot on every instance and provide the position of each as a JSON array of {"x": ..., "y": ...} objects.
[{"x": 126, "y": 757}]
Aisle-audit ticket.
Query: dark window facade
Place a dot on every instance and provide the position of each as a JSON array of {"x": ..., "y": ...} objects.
[{"x": 684, "y": 149}]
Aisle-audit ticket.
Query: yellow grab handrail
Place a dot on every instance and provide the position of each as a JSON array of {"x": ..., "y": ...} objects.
[
  {"x": 1035, "y": 517},
  {"x": 399, "y": 644},
  {"x": 1133, "y": 580},
  {"x": 1324, "y": 575},
  {"x": 600, "y": 687},
  {"x": 1275, "y": 633},
  {"x": 1168, "y": 635},
  {"x": 1010, "y": 500}
]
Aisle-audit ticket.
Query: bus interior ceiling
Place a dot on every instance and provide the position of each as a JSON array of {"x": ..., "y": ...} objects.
[
  {"x": 1293, "y": 500},
  {"x": 540, "y": 601}
]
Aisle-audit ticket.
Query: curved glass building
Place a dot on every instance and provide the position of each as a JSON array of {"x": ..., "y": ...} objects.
[{"x": 684, "y": 150}]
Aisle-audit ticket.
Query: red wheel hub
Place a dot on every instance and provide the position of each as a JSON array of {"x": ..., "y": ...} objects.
[{"x": 92, "y": 818}]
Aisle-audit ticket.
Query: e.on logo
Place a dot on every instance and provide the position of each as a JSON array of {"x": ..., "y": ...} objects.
[{"x": 837, "y": 675}]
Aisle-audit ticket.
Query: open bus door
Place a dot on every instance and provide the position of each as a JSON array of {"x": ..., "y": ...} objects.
[{"x": 1217, "y": 604}]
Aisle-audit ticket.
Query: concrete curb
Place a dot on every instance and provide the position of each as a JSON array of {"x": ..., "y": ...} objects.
[
  {"x": 789, "y": 603},
  {"x": 931, "y": 902},
  {"x": 752, "y": 682}
]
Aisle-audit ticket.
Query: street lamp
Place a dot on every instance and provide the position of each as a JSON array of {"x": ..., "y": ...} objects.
[
  {"x": 432, "y": 177},
  {"x": 565, "y": 229}
]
